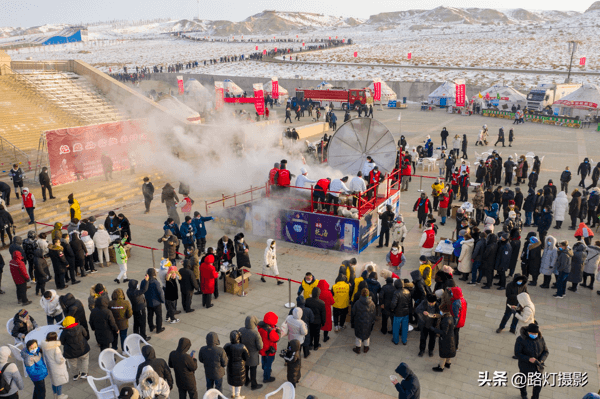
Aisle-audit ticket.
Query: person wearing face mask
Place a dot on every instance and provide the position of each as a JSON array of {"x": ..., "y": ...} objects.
[
  {"x": 111, "y": 223},
  {"x": 35, "y": 367},
  {"x": 532, "y": 352},
  {"x": 241, "y": 252},
  {"x": 544, "y": 223},
  {"x": 584, "y": 169},
  {"x": 395, "y": 258},
  {"x": 270, "y": 261},
  {"x": 513, "y": 289},
  {"x": 308, "y": 284},
  {"x": 423, "y": 208},
  {"x": 427, "y": 242}
]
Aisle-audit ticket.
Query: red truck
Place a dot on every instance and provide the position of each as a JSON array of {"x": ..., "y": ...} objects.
[{"x": 339, "y": 97}]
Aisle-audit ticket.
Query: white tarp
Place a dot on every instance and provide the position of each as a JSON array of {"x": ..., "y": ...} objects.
[
  {"x": 268, "y": 87},
  {"x": 579, "y": 102},
  {"x": 509, "y": 96},
  {"x": 387, "y": 94},
  {"x": 447, "y": 91},
  {"x": 229, "y": 87},
  {"x": 179, "y": 110},
  {"x": 194, "y": 88}
]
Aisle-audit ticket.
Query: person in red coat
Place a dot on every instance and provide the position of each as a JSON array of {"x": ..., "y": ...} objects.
[
  {"x": 269, "y": 332},
  {"x": 20, "y": 277},
  {"x": 327, "y": 297},
  {"x": 208, "y": 275}
]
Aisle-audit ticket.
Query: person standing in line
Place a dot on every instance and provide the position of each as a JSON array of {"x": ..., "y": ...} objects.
[
  {"x": 17, "y": 176},
  {"x": 563, "y": 267},
  {"x": 214, "y": 359},
  {"x": 121, "y": 310},
  {"x": 532, "y": 352},
  {"x": 44, "y": 180},
  {"x": 138, "y": 306},
  {"x": 341, "y": 297},
  {"x": 237, "y": 356},
  {"x": 147, "y": 192},
  {"x": 35, "y": 367},
  {"x": 103, "y": 323},
  {"x": 199, "y": 223},
  {"x": 11, "y": 373},
  {"x": 317, "y": 306},
  {"x": 428, "y": 313},
  {"x": 20, "y": 277},
  {"x": 28, "y": 204},
  {"x": 184, "y": 365},
  {"x": 74, "y": 339},
  {"x": 363, "y": 313},
  {"x": 155, "y": 297},
  {"x": 447, "y": 345},
  {"x": 400, "y": 307},
  {"x": 187, "y": 285},
  {"x": 253, "y": 342},
  {"x": 270, "y": 334},
  {"x": 56, "y": 363},
  {"x": 51, "y": 305},
  {"x": 208, "y": 278},
  {"x": 171, "y": 293}
]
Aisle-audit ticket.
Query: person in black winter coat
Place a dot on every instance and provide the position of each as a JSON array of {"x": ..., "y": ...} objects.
[
  {"x": 40, "y": 268},
  {"x": 529, "y": 207},
  {"x": 544, "y": 223},
  {"x": 595, "y": 176},
  {"x": 503, "y": 256},
  {"x": 138, "y": 306},
  {"x": 155, "y": 297},
  {"x": 73, "y": 307},
  {"x": 309, "y": 318},
  {"x": 428, "y": 313},
  {"x": 532, "y": 352},
  {"x": 70, "y": 257},
  {"x": 241, "y": 251},
  {"x": 584, "y": 170},
  {"x": 385, "y": 301},
  {"x": 237, "y": 356},
  {"x": 44, "y": 180},
  {"x": 124, "y": 227},
  {"x": 532, "y": 180},
  {"x": 409, "y": 388},
  {"x": 317, "y": 306},
  {"x": 518, "y": 198},
  {"x": 74, "y": 339},
  {"x": 363, "y": 312},
  {"x": 80, "y": 252},
  {"x": 187, "y": 285},
  {"x": 447, "y": 341},
  {"x": 489, "y": 260},
  {"x": 515, "y": 244},
  {"x": 477, "y": 258},
  {"x": 160, "y": 366},
  {"x": 214, "y": 359},
  {"x": 185, "y": 366},
  {"x": 534, "y": 259},
  {"x": 103, "y": 323},
  {"x": 420, "y": 289},
  {"x": 387, "y": 219},
  {"x": 293, "y": 361},
  {"x": 514, "y": 288},
  {"x": 464, "y": 147},
  {"x": 401, "y": 307}
]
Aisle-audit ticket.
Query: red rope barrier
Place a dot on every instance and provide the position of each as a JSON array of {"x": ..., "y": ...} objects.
[{"x": 275, "y": 277}]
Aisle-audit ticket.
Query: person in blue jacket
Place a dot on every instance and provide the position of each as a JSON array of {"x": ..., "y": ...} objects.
[
  {"x": 188, "y": 233},
  {"x": 409, "y": 388},
  {"x": 198, "y": 223},
  {"x": 171, "y": 225},
  {"x": 36, "y": 369}
]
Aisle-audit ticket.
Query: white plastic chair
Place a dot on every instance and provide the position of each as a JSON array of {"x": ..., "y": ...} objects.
[
  {"x": 9, "y": 327},
  {"x": 107, "y": 360},
  {"x": 15, "y": 350},
  {"x": 132, "y": 345},
  {"x": 529, "y": 154},
  {"x": 289, "y": 392},
  {"x": 110, "y": 392},
  {"x": 213, "y": 394}
]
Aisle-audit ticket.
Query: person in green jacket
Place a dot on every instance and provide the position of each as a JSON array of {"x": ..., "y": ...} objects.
[{"x": 121, "y": 256}]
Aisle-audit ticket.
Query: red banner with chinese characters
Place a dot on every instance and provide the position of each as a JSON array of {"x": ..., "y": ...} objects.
[
  {"x": 582, "y": 61},
  {"x": 239, "y": 100},
  {"x": 275, "y": 49},
  {"x": 355, "y": 54},
  {"x": 577, "y": 104},
  {"x": 409, "y": 56},
  {"x": 377, "y": 91},
  {"x": 180, "y": 84},
  {"x": 275, "y": 87},
  {"x": 265, "y": 52},
  {"x": 259, "y": 101},
  {"x": 82, "y": 150},
  {"x": 256, "y": 48},
  {"x": 461, "y": 92}
]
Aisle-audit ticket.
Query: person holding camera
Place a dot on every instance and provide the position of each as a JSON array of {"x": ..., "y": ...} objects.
[{"x": 532, "y": 352}]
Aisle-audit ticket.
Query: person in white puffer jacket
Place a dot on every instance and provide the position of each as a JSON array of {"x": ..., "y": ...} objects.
[
  {"x": 49, "y": 302},
  {"x": 102, "y": 241},
  {"x": 270, "y": 261},
  {"x": 294, "y": 327},
  {"x": 90, "y": 248},
  {"x": 526, "y": 310}
]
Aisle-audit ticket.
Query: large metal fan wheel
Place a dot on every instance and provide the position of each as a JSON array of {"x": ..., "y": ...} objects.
[{"x": 358, "y": 138}]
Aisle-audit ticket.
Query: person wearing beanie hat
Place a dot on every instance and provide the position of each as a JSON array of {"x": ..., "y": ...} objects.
[
  {"x": 129, "y": 393},
  {"x": 198, "y": 223},
  {"x": 74, "y": 339},
  {"x": 208, "y": 276},
  {"x": 532, "y": 352},
  {"x": 428, "y": 313}
]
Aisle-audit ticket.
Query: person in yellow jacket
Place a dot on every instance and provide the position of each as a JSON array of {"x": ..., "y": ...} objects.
[
  {"x": 437, "y": 187},
  {"x": 57, "y": 232},
  {"x": 74, "y": 209},
  {"x": 307, "y": 286},
  {"x": 341, "y": 296},
  {"x": 425, "y": 270}
]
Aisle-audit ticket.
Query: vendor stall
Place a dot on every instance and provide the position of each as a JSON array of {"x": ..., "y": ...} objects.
[
  {"x": 580, "y": 104},
  {"x": 500, "y": 98},
  {"x": 443, "y": 96}
]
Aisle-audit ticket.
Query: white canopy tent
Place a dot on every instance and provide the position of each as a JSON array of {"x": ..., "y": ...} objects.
[
  {"x": 179, "y": 110},
  {"x": 194, "y": 88},
  {"x": 268, "y": 88},
  {"x": 387, "y": 94},
  {"x": 501, "y": 97},
  {"x": 444, "y": 95},
  {"x": 229, "y": 87},
  {"x": 581, "y": 102}
]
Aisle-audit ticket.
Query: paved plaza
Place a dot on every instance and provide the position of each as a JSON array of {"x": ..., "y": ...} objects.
[{"x": 571, "y": 326}]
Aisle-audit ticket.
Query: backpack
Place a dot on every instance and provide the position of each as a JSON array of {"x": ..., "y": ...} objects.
[{"x": 4, "y": 383}]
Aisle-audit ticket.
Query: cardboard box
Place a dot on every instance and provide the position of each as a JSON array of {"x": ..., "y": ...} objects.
[
  {"x": 234, "y": 286},
  {"x": 112, "y": 256}
]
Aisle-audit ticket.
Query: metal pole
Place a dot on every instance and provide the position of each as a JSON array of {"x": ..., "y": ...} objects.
[
  {"x": 153, "y": 264},
  {"x": 290, "y": 304},
  {"x": 571, "y": 63},
  {"x": 223, "y": 196},
  {"x": 251, "y": 199},
  {"x": 420, "y": 185}
]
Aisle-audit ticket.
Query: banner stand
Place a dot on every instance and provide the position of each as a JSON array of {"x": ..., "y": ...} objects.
[
  {"x": 420, "y": 185},
  {"x": 290, "y": 304}
]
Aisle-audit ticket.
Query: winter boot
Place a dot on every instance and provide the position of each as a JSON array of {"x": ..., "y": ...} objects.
[
  {"x": 365, "y": 349},
  {"x": 356, "y": 350}
]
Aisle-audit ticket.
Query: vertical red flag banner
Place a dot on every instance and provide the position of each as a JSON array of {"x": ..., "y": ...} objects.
[
  {"x": 219, "y": 94},
  {"x": 256, "y": 48},
  {"x": 336, "y": 37},
  {"x": 303, "y": 44},
  {"x": 377, "y": 90},
  {"x": 275, "y": 49},
  {"x": 275, "y": 87},
  {"x": 582, "y": 61},
  {"x": 409, "y": 56},
  {"x": 329, "y": 37},
  {"x": 460, "y": 92},
  {"x": 296, "y": 36},
  {"x": 343, "y": 40},
  {"x": 259, "y": 100},
  {"x": 180, "y": 84},
  {"x": 79, "y": 150},
  {"x": 355, "y": 54}
]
